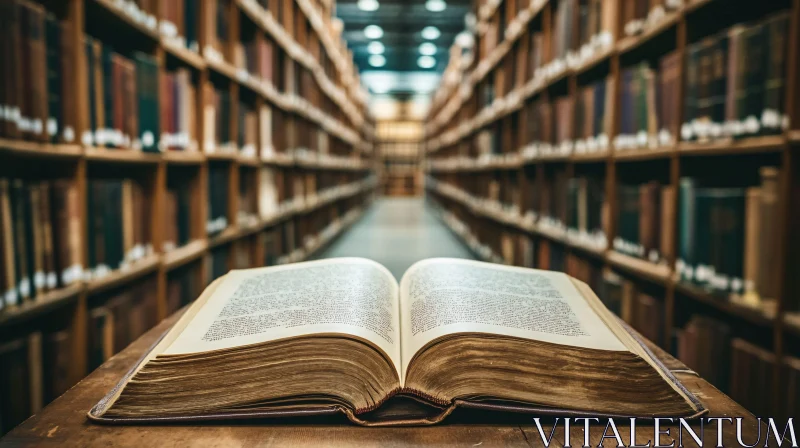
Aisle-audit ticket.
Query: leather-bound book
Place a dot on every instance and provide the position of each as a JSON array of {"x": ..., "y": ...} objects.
[
  {"x": 752, "y": 241},
  {"x": 56, "y": 363},
  {"x": 776, "y": 30},
  {"x": 769, "y": 226},
  {"x": 15, "y": 402},
  {"x": 7, "y": 272},
  {"x": 408, "y": 340},
  {"x": 666, "y": 239}
]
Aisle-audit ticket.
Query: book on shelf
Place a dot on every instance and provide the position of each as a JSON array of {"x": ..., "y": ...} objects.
[
  {"x": 704, "y": 345},
  {"x": 645, "y": 105},
  {"x": 217, "y": 121},
  {"x": 217, "y": 20},
  {"x": 735, "y": 82},
  {"x": 400, "y": 335},
  {"x": 178, "y": 115},
  {"x": 218, "y": 187},
  {"x": 248, "y": 207},
  {"x": 179, "y": 22},
  {"x": 726, "y": 245},
  {"x": 34, "y": 370},
  {"x": 119, "y": 225},
  {"x": 119, "y": 320},
  {"x": 644, "y": 214},
  {"x": 37, "y": 99},
  {"x": 219, "y": 262},
  {"x": 183, "y": 286},
  {"x": 177, "y": 214},
  {"x": 642, "y": 311},
  {"x": 247, "y": 138},
  {"x": 40, "y": 242}
]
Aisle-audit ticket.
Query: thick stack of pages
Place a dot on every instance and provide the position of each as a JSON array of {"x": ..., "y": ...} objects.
[{"x": 342, "y": 336}]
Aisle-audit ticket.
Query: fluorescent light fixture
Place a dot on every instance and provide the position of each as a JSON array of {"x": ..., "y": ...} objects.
[
  {"x": 373, "y": 32},
  {"x": 427, "y": 49},
  {"x": 380, "y": 89},
  {"x": 368, "y": 5},
  {"x": 435, "y": 5},
  {"x": 375, "y": 47},
  {"x": 426, "y": 62},
  {"x": 431, "y": 33},
  {"x": 377, "y": 60}
]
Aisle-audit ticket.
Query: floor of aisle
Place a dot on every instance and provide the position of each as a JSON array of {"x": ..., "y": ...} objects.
[{"x": 398, "y": 232}]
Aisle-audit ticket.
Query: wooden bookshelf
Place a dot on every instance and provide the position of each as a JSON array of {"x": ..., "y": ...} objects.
[
  {"x": 494, "y": 210},
  {"x": 337, "y": 180}
]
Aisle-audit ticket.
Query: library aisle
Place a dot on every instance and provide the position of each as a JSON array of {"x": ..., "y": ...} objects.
[{"x": 398, "y": 232}]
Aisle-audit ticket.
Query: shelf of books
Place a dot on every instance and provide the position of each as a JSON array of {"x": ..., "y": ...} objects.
[
  {"x": 149, "y": 147},
  {"x": 650, "y": 149},
  {"x": 399, "y": 145}
]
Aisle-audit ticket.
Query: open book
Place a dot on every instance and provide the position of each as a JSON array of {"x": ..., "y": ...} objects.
[{"x": 341, "y": 335}]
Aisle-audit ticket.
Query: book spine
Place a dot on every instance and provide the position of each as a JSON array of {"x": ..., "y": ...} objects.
[
  {"x": 54, "y": 122},
  {"x": 773, "y": 118}
]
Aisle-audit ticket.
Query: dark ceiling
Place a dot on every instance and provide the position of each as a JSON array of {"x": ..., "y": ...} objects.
[{"x": 402, "y": 22}]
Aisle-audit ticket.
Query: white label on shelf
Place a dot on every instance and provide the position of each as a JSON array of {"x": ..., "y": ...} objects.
[
  {"x": 751, "y": 125},
  {"x": 148, "y": 139},
  {"x": 38, "y": 280},
  {"x": 4, "y": 111},
  {"x": 737, "y": 285},
  {"x": 86, "y": 138},
  {"x": 686, "y": 131},
  {"x": 25, "y": 287},
  {"x": 11, "y": 297},
  {"x": 52, "y": 280}
]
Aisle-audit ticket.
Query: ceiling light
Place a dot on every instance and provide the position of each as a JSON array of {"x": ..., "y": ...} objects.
[
  {"x": 380, "y": 89},
  {"x": 377, "y": 60},
  {"x": 431, "y": 33},
  {"x": 435, "y": 5},
  {"x": 368, "y": 5},
  {"x": 427, "y": 49},
  {"x": 426, "y": 62},
  {"x": 373, "y": 32},
  {"x": 375, "y": 48}
]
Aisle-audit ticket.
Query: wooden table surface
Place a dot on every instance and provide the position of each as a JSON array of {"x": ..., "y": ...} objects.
[{"x": 64, "y": 422}]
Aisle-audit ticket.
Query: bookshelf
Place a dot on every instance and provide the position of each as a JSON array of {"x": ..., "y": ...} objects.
[
  {"x": 399, "y": 143},
  {"x": 263, "y": 125},
  {"x": 524, "y": 183}
]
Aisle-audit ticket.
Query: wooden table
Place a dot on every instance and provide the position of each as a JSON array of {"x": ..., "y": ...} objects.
[{"x": 64, "y": 423}]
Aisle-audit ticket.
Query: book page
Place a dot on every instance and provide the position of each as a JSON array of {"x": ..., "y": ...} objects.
[
  {"x": 351, "y": 296},
  {"x": 444, "y": 296}
]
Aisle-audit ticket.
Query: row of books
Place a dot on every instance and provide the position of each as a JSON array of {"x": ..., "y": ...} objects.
[
  {"x": 123, "y": 98},
  {"x": 216, "y": 120},
  {"x": 120, "y": 319},
  {"x": 727, "y": 236},
  {"x": 177, "y": 216},
  {"x": 636, "y": 14},
  {"x": 649, "y": 104},
  {"x": 217, "y": 17},
  {"x": 40, "y": 228},
  {"x": 740, "y": 368},
  {"x": 735, "y": 82},
  {"x": 258, "y": 58},
  {"x": 177, "y": 96},
  {"x": 183, "y": 287},
  {"x": 644, "y": 213},
  {"x": 34, "y": 370},
  {"x": 180, "y": 23},
  {"x": 248, "y": 202},
  {"x": 644, "y": 312},
  {"x": 37, "y": 100},
  {"x": 218, "y": 187},
  {"x": 119, "y": 225}
]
